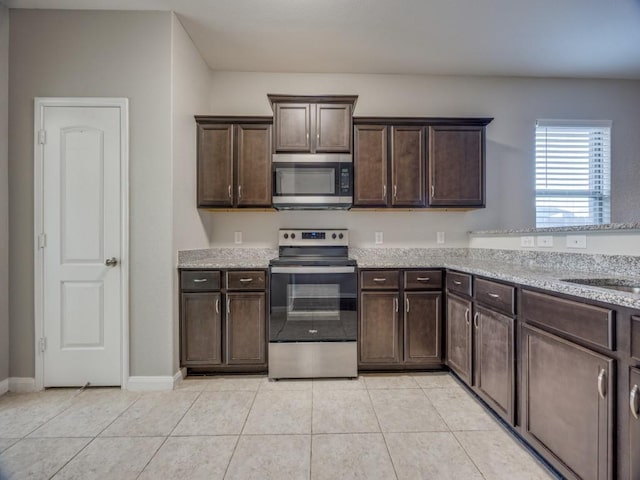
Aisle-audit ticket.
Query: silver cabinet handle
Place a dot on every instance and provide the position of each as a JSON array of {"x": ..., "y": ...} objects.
[
  {"x": 602, "y": 389},
  {"x": 384, "y": 192},
  {"x": 395, "y": 191},
  {"x": 318, "y": 137},
  {"x": 475, "y": 319},
  {"x": 246, "y": 280},
  {"x": 307, "y": 136},
  {"x": 633, "y": 401},
  {"x": 217, "y": 305},
  {"x": 466, "y": 316},
  {"x": 423, "y": 279},
  {"x": 493, "y": 295},
  {"x": 407, "y": 301},
  {"x": 199, "y": 280},
  {"x": 111, "y": 262},
  {"x": 229, "y": 191},
  {"x": 379, "y": 279},
  {"x": 239, "y": 191},
  {"x": 228, "y": 306},
  {"x": 395, "y": 304},
  {"x": 433, "y": 191},
  {"x": 456, "y": 282}
]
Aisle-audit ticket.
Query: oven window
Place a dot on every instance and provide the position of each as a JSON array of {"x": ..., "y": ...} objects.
[
  {"x": 313, "y": 307},
  {"x": 305, "y": 181}
]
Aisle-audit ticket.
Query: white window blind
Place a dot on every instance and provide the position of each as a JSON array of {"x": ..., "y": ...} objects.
[{"x": 573, "y": 164}]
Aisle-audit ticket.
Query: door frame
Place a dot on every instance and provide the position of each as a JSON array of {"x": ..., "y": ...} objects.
[{"x": 38, "y": 193}]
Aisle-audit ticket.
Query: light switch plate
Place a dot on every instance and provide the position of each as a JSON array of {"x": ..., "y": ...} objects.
[
  {"x": 576, "y": 241},
  {"x": 545, "y": 241},
  {"x": 379, "y": 238},
  {"x": 439, "y": 237},
  {"x": 527, "y": 241},
  {"x": 237, "y": 238}
]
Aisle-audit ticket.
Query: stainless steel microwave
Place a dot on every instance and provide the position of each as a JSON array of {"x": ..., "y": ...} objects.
[{"x": 312, "y": 181}]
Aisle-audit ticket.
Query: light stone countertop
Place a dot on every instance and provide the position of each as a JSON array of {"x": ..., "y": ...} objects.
[
  {"x": 605, "y": 228},
  {"x": 544, "y": 271}
]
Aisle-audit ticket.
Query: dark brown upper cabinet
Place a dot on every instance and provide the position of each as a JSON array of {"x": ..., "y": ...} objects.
[
  {"x": 234, "y": 161},
  {"x": 312, "y": 124},
  {"x": 456, "y": 166},
  {"x": 416, "y": 162}
]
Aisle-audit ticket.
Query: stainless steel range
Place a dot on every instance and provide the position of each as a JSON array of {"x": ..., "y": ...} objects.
[{"x": 313, "y": 322}]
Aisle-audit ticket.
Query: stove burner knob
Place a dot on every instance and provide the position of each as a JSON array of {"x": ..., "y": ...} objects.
[
  {"x": 333, "y": 236},
  {"x": 286, "y": 235},
  {"x": 293, "y": 235},
  {"x": 341, "y": 236}
]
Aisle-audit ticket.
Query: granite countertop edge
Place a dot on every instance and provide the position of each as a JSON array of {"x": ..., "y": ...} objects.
[
  {"x": 537, "y": 277},
  {"x": 607, "y": 227}
]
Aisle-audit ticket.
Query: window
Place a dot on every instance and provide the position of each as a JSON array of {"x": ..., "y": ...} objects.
[{"x": 573, "y": 164}]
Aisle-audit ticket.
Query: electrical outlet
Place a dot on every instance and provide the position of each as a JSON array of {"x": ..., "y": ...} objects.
[
  {"x": 576, "y": 241},
  {"x": 379, "y": 239},
  {"x": 439, "y": 237},
  {"x": 545, "y": 241},
  {"x": 237, "y": 238},
  {"x": 527, "y": 241}
]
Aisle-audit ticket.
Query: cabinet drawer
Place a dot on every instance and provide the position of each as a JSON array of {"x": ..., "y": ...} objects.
[
  {"x": 459, "y": 283},
  {"x": 200, "y": 280},
  {"x": 495, "y": 294},
  {"x": 635, "y": 338},
  {"x": 380, "y": 279},
  {"x": 422, "y": 279},
  {"x": 246, "y": 280},
  {"x": 587, "y": 323}
]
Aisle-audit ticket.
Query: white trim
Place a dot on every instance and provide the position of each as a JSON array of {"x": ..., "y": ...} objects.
[
  {"x": 4, "y": 386},
  {"x": 159, "y": 382},
  {"x": 39, "y": 104},
  {"x": 22, "y": 384},
  {"x": 179, "y": 376},
  {"x": 553, "y": 122}
]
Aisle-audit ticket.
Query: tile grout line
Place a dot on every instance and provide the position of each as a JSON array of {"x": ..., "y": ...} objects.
[
  {"x": 384, "y": 438},
  {"x": 244, "y": 424},
  {"x": 70, "y": 400},
  {"x": 467, "y": 453},
  {"x": 168, "y": 435}
]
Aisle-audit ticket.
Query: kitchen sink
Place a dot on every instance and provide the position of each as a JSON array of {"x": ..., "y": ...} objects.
[{"x": 611, "y": 283}]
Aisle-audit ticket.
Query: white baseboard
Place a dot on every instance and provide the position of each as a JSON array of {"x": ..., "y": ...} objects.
[
  {"x": 4, "y": 386},
  {"x": 160, "y": 382},
  {"x": 179, "y": 376},
  {"x": 22, "y": 384}
]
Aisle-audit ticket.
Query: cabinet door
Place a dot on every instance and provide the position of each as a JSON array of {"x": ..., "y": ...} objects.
[
  {"x": 370, "y": 166},
  {"x": 634, "y": 422},
  {"x": 407, "y": 167},
  {"x": 200, "y": 331},
  {"x": 246, "y": 328},
  {"x": 494, "y": 360},
  {"x": 567, "y": 404},
  {"x": 215, "y": 165},
  {"x": 456, "y": 166},
  {"x": 422, "y": 327},
  {"x": 293, "y": 125},
  {"x": 254, "y": 165},
  {"x": 459, "y": 336},
  {"x": 379, "y": 329},
  {"x": 333, "y": 128}
]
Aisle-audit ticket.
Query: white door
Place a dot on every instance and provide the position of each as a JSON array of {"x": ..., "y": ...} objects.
[{"x": 81, "y": 219}]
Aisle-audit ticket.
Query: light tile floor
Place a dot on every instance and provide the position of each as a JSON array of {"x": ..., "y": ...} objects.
[{"x": 417, "y": 426}]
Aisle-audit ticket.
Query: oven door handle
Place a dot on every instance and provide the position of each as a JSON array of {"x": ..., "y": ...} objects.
[{"x": 304, "y": 270}]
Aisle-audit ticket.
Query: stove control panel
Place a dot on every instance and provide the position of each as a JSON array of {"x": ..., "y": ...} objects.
[{"x": 313, "y": 237}]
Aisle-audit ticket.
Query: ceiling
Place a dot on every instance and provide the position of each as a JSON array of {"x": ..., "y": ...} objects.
[{"x": 550, "y": 38}]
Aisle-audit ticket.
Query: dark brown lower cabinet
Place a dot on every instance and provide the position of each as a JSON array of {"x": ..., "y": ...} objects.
[
  {"x": 494, "y": 360},
  {"x": 422, "y": 320},
  {"x": 567, "y": 402},
  {"x": 634, "y": 423},
  {"x": 459, "y": 336},
  {"x": 379, "y": 328},
  {"x": 246, "y": 328},
  {"x": 201, "y": 329}
]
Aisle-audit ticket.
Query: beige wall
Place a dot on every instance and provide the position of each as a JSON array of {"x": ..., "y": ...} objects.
[
  {"x": 111, "y": 54},
  {"x": 190, "y": 83},
  {"x": 4, "y": 193},
  {"x": 514, "y": 102}
]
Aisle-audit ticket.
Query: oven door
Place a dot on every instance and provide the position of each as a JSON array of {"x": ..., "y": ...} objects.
[{"x": 313, "y": 304}]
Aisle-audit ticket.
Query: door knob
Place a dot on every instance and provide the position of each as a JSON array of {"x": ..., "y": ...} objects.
[{"x": 111, "y": 262}]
